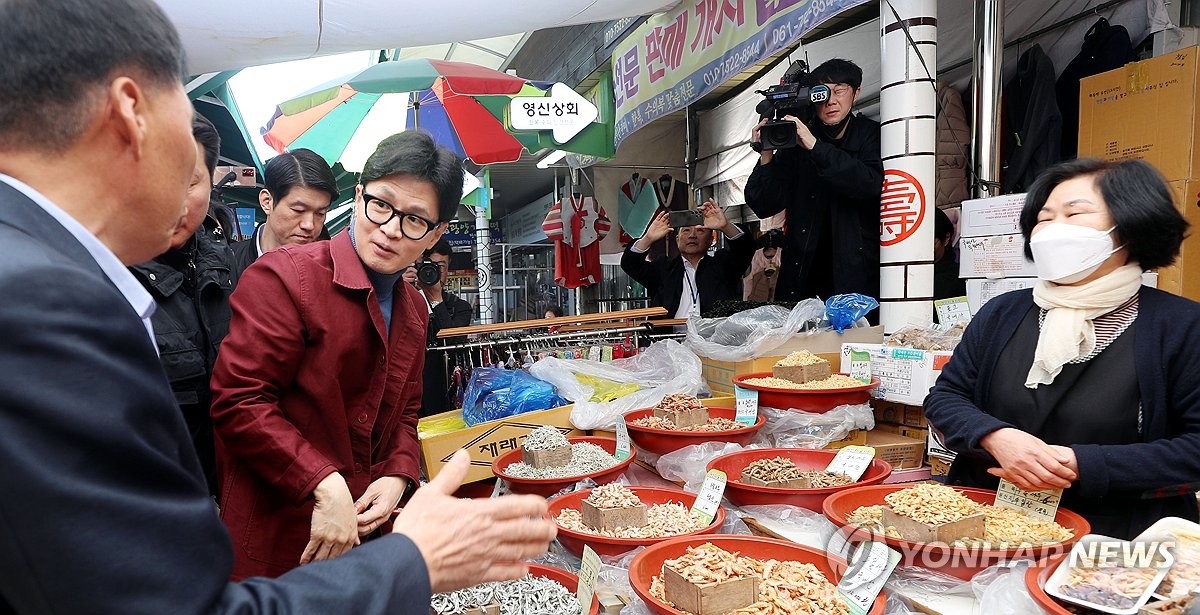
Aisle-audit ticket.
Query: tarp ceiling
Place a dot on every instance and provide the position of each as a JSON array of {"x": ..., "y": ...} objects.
[
  {"x": 729, "y": 125},
  {"x": 228, "y": 34}
]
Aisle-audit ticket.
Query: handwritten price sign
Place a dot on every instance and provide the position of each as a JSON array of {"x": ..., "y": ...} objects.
[
  {"x": 709, "y": 498},
  {"x": 1041, "y": 505}
]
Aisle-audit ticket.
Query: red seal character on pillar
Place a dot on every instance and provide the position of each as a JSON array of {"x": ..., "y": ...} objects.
[{"x": 901, "y": 207}]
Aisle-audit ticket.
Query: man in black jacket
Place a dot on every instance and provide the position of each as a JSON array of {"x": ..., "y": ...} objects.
[
  {"x": 445, "y": 311},
  {"x": 829, "y": 185},
  {"x": 692, "y": 279}
]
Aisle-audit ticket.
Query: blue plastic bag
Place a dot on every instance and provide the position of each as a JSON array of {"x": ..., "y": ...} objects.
[
  {"x": 844, "y": 310},
  {"x": 496, "y": 393}
]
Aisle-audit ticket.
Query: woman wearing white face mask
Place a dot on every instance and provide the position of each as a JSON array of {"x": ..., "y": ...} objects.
[{"x": 1090, "y": 382}]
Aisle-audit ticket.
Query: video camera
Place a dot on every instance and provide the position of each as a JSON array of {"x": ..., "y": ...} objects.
[
  {"x": 795, "y": 95},
  {"x": 428, "y": 272}
]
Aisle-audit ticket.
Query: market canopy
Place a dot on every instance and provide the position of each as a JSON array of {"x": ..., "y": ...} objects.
[{"x": 223, "y": 34}]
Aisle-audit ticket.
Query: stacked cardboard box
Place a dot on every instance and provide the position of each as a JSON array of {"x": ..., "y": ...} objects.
[{"x": 899, "y": 434}]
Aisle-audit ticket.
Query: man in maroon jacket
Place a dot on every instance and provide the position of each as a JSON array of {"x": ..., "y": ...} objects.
[{"x": 317, "y": 387}]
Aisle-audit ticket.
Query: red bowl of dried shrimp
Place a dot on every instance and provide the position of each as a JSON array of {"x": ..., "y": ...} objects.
[{"x": 661, "y": 441}]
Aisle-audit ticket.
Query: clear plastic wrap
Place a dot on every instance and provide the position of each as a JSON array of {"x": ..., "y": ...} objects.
[
  {"x": 753, "y": 333},
  {"x": 664, "y": 367},
  {"x": 798, "y": 525},
  {"x": 688, "y": 464},
  {"x": 1001, "y": 590},
  {"x": 927, "y": 337},
  {"x": 798, "y": 429}
]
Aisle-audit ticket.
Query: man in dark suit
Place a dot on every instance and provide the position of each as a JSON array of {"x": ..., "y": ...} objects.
[
  {"x": 105, "y": 509},
  {"x": 693, "y": 279}
]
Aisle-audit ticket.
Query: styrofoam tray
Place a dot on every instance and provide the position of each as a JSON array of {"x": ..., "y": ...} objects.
[
  {"x": 1170, "y": 529},
  {"x": 1061, "y": 574}
]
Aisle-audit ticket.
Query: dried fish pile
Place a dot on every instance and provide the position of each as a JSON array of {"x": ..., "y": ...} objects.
[
  {"x": 785, "y": 587},
  {"x": 713, "y": 424},
  {"x": 586, "y": 458},
  {"x": 931, "y": 504},
  {"x": 677, "y": 402},
  {"x": 836, "y": 381},
  {"x": 773, "y": 469},
  {"x": 529, "y": 596},
  {"x": 544, "y": 438},
  {"x": 662, "y": 521},
  {"x": 1115, "y": 587}
]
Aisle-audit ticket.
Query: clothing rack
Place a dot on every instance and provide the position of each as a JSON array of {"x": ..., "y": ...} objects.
[
  {"x": 530, "y": 339},
  {"x": 542, "y": 323}
]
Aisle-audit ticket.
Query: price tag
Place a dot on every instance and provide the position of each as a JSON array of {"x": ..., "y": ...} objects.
[
  {"x": 709, "y": 498},
  {"x": 870, "y": 567},
  {"x": 1041, "y": 505},
  {"x": 623, "y": 448},
  {"x": 852, "y": 461},
  {"x": 860, "y": 365},
  {"x": 594, "y": 353},
  {"x": 747, "y": 405},
  {"x": 588, "y": 569},
  {"x": 952, "y": 311}
]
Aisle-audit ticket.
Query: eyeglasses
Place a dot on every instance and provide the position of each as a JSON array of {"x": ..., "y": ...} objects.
[
  {"x": 381, "y": 212},
  {"x": 841, "y": 89}
]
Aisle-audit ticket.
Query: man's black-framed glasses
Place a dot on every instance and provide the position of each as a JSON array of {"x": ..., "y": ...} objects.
[{"x": 381, "y": 212}]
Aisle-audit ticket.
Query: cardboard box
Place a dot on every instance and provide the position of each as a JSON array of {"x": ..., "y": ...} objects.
[
  {"x": 905, "y": 374},
  {"x": 856, "y": 437},
  {"x": 998, "y": 256},
  {"x": 1183, "y": 276},
  {"x": 486, "y": 441},
  {"x": 998, "y": 215},
  {"x": 938, "y": 466},
  {"x": 897, "y": 450},
  {"x": 887, "y": 412},
  {"x": 916, "y": 433},
  {"x": 827, "y": 345},
  {"x": 1144, "y": 110}
]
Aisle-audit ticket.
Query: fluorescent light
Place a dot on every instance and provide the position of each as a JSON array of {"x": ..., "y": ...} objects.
[{"x": 551, "y": 158}]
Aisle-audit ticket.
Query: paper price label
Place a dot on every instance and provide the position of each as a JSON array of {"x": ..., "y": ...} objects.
[
  {"x": 747, "y": 405},
  {"x": 952, "y": 311},
  {"x": 594, "y": 353},
  {"x": 1041, "y": 505},
  {"x": 860, "y": 365},
  {"x": 709, "y": 498},
  {"x": 623, "y": 448},
  {"x": 852, "y": 461},
  {"x": 588, "y": 569},
  {"x": 870, "y": 567}
]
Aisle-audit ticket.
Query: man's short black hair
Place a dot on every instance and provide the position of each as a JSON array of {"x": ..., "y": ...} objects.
[
  {"x": 1148, "y": 225},
  {"x": 298, "y": 168},
  {"x": 414, "y": 152},
  {"x": 209, "y": 139},
  {"x": 943, "y": 228},
  {"x": 441, "y": 247},
  {"x": 838, "y": 70},
  {"x": 56, "y": 59}
]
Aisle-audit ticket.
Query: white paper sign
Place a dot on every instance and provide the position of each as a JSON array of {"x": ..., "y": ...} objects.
[
  {"x": 709, "y": 498},
  {"x": 953, "y": 311},
  {"x": 747, "y": 405},
  {"x": 623, "y": 448},
  {"x": 860, "y": 366},
  {"x": 564, "y": 111},
  {"x": 1041, "y": 505},
  {"x": 588, "y": 569},
  {"x": 870, "y": 567},
  {"x": 852, "y": 461}
]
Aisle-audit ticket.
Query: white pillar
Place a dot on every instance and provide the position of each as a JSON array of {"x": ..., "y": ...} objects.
[
  {"x": 908, "y": 110},
  {"x": 483, "y": 261}
]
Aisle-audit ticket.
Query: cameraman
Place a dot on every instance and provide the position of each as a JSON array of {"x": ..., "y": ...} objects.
[
  {"x": 829, "y": 184},
  {"x": 445, "y": 311}
]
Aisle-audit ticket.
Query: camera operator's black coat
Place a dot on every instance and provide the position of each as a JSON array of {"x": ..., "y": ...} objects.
[
  {"x": 832, "y": 188},
  {"x": 717, "y": 276}
]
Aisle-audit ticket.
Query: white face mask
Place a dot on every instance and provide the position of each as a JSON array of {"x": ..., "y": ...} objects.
[{"x": 1066, "y": 253}]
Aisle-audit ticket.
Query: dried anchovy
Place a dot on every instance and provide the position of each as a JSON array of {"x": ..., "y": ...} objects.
[
  {"x": 613, "y": 495},
  {"x": 528, "y": 596},
  {"x": 662, "y": 521},
  {"x": 713, "y": 424},
  {"x": 544, "y": 438},
  {"x": 818, "y": 479},
  {"x": 586, "y": 458}
]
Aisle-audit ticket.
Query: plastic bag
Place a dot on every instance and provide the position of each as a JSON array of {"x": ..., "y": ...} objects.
[
  {"x": 914, "y": 579},
  {"x": 496, "y": 393},
  {"x": 797, "y": 524},
  {"x": 753, "y": 333},
  {"x": 688, "y": 464},
  {"x": 607, "y": 390},
  {"x": 799, "y": 429},
  {"x": 1001, "y": 590},
  {"x": 844, "y": 310},
  {"x": 431, "y": 427},
  {"x": 927, "y": 337},
  {"x": 663, "y": 368}
]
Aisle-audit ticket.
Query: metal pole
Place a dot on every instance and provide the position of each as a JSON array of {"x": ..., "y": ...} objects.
[
  {"x": 985, "y": 95},
  {"x": 908, "y": 138}
]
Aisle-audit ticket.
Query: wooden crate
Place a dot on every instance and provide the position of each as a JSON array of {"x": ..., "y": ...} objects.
[
  {"x": 714, "y": 599},
  {"x": 684, "y": 418},
  {"x": 612, "y": 518},
  {"x": 971, "y": 526},
  {"x": 803, "y": 373},
  {"x": 556, "y": 457}
]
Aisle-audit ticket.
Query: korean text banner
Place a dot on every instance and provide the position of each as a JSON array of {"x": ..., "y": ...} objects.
[{"x": 674, "y": 58}]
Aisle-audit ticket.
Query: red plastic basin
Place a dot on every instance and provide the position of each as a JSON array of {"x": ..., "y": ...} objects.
[
  {"x": 574, "y": 541},
  {"x": 817, "y": 401},
  {"x": 743, "y": 494},
  {"x": 960, "y": 562},
  {"x": 648, "y": 564},
  {"x": 1035, "y": 582},
  {"x": 549, "y": 486},
  {"x": 663, "y": 441},
  {"x": 568, "y": 580}
]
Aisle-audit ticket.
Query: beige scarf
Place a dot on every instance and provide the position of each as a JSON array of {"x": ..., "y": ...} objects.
[{"x": 1067, "y": 332}]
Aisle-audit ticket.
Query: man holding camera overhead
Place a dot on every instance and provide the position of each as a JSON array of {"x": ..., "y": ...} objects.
[
  {"x": 825, "y": 171},
  {"x": 692, "y": 280}
]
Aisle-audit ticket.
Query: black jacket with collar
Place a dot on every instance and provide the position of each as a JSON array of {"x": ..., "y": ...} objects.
[
  {"x": 245, "y": 252},
  {"x": 717, "y": 277},
  {"x": 451, "y": 312},
  {"x": 834, "y": 187}
]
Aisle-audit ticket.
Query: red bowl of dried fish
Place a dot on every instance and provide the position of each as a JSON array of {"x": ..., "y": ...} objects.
[
  {"x": 1035, "y": 581},
  {"x": 817, "y": 401},
  {"x": 566, "y": 579},
  {"x": 662, "y": 441},
  {"x": 962, "y": 562},
  {"x": 547, "y": 487},
  {"x": 573, "y": 540},
  {"x": 744, "y": 494},
  {"x": 809, "y": 594}
]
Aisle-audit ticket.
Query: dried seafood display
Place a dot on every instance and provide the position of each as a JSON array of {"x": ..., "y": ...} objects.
[
  {"x": 531, "y": 595},
  {"x": 713, "y": 424},
  {"x": 783, "y": 469},
  {"x": 836, "y": 381},
  {"x": 662, "y": 520},
  {"x": 586, "y": 458}
]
